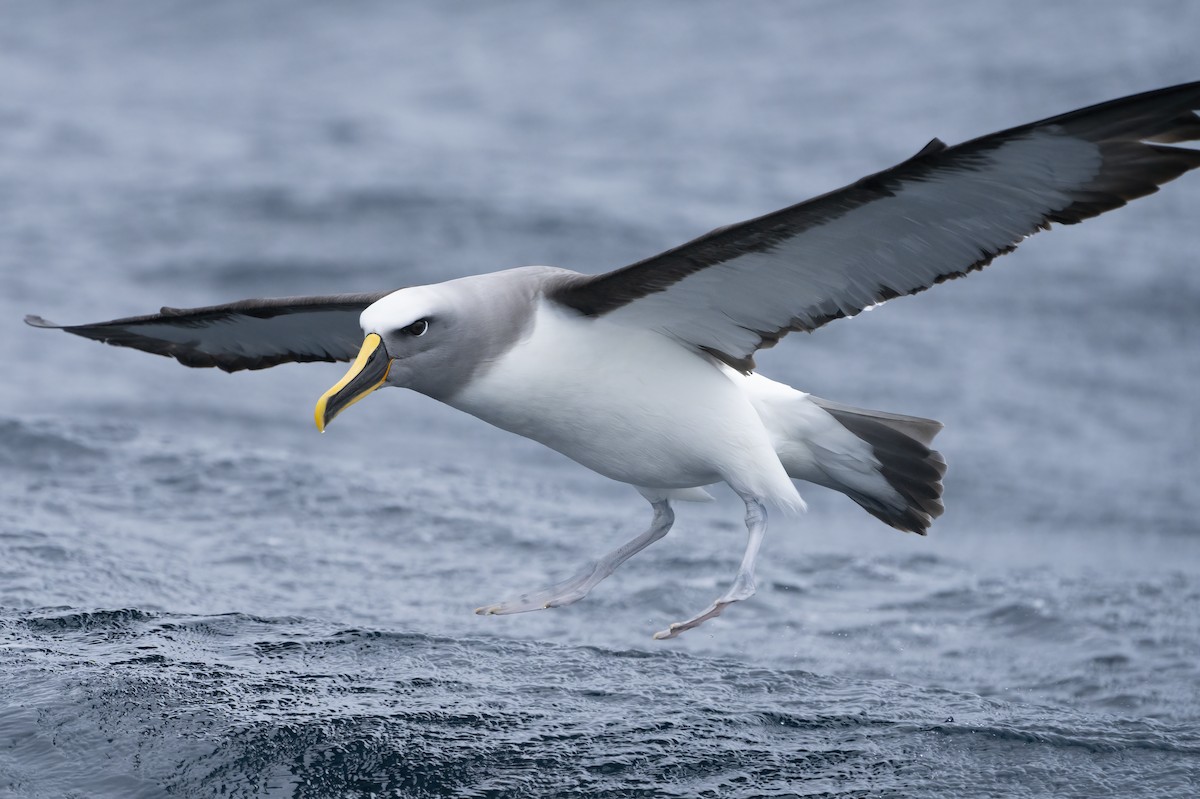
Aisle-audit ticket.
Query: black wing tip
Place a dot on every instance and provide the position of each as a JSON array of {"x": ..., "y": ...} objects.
[{"x": 109, "y": 333}]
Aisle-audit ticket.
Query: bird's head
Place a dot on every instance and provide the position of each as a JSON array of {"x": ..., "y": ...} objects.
[
  {"x": 413, "y": 339},
  {"x": 434, "y": 339}
]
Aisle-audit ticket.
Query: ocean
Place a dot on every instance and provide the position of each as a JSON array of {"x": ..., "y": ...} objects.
[{"x": 201, "y": 596}]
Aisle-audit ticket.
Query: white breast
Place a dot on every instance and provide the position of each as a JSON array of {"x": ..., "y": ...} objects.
[{"x": 629, "y": 403}]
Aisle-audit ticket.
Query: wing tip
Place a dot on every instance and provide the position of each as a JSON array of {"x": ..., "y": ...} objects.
[{"x": 34, "y": 320}]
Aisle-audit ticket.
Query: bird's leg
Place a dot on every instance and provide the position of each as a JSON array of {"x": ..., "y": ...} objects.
[
  {"x": 743, "y": 583},
  {"x": 576, "y": 588}
]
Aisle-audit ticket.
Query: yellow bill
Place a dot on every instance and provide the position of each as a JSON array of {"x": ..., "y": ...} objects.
[{"x": 368, "y": 372}]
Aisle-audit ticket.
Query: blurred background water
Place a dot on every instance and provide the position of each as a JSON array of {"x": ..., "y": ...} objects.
[{"x": 201, "y": 596}]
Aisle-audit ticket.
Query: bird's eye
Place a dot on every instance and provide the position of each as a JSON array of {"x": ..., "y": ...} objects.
[{"x": 417, "y": 328}]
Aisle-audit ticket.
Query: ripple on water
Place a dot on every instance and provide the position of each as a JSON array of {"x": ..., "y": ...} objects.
[
  {"x": 39, "y": 447},
  {"x": 247, "y": 704}
]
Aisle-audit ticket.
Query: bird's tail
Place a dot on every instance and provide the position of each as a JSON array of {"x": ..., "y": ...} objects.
[{"x": 911, "y": 468}]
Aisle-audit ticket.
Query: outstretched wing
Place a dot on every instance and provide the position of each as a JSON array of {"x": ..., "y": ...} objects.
[
  {"x": 250, "y": 334},
  {"x": 944, "y": 213}
]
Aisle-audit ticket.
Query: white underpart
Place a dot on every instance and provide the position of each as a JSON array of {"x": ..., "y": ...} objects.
[{"x": 631, "y": 404}]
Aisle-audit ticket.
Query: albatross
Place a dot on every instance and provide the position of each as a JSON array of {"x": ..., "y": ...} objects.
[{"x": 646, "y": 374}]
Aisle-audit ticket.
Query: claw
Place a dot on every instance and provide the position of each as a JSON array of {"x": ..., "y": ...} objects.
[
  {"x": 554, "y": 596},
  {"x": 711, "y": 612}
]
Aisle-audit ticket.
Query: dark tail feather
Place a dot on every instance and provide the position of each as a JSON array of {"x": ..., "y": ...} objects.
[{"x": 902, "y": 446}]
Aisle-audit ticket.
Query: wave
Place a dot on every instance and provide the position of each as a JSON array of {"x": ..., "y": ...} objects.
[
  {"x": 44, "y": 445},
  {"x": 240, "y": 705}
]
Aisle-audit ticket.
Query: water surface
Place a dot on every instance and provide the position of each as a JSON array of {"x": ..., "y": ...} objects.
[{"x": 201, "y": 596}]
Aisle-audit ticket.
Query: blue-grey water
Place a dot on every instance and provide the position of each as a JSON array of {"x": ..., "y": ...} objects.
[{"x": 200, "y": 596}]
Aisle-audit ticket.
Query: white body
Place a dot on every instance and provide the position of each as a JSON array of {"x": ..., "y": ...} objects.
[{"x": 639, "y": 407}]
